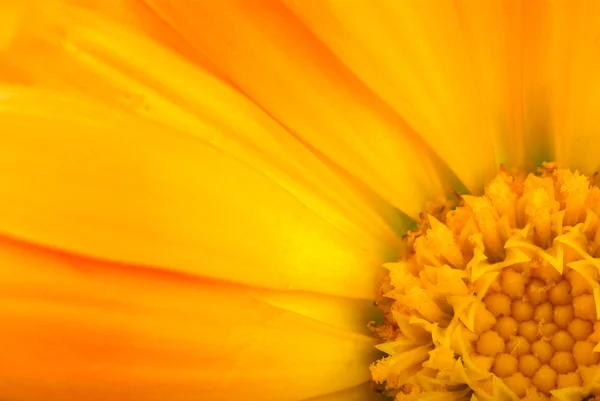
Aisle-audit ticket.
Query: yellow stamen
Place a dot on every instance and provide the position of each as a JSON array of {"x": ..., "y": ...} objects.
[{"x": 498, "y": 298}]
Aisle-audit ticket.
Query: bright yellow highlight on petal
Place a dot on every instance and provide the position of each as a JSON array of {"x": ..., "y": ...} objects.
[
  {"x": 498, "y": 299},
  {"x": 163, "y": 211}
]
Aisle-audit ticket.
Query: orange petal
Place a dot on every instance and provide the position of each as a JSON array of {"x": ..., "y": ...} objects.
[
  {"x": 492, "y": 35},
  {"x": 278, "y": 63},
  {"x": 27, "y": 18},
  {"x": 537, "y": 67},
  {"x": 572, "y": 81},
  {"x": 421, "y": 58},
  {"x": 77, "y": 329},
  {"x": 92, "y": 55},
  {"x": 345, "y": 313},
  {"x": 138, "y": 17},
  {"x": 364, "y": 392},
  {"x": 78, "y": 177}
]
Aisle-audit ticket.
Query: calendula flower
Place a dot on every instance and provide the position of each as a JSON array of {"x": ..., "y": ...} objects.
[{"x": 202, "y": 200}]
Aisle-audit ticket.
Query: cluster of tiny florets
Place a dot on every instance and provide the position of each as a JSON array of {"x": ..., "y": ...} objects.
[{"x": 498, "y": 298}]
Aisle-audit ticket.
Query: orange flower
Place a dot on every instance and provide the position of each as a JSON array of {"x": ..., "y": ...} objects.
[{"x": 198, "y": 196}]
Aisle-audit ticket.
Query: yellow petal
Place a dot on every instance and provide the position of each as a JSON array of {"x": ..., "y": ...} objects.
[
  {"x": 420, "y": 58},
  {"x": 79, "y": 329},
  {"x": 572, "y": 80},
  {"x": 536, "y": 69},
  {"x": 345, "y": 313},
  {"x": 27, "y": 18},
  {"x": 277, "y": 62},
  {"x": 491, "y": 31},
  {"x": 78, "y": 177},
  {"x": 92, "y": 55},
  {"x": 136, "y": 15}
]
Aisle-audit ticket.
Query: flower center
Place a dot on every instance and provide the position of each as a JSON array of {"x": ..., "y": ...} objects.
[{"x": 498, "y": 298}]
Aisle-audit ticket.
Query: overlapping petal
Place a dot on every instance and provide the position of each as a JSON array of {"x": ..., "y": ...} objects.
[
  {"x": 74, "y": 328},
  {"x": 93, "y": 53},
  {"x": 78, "y": 177},
  {"x": 571, "y": 80},
  {"x": 444, "y": 84},
  {"x": 273, "y": 58}
]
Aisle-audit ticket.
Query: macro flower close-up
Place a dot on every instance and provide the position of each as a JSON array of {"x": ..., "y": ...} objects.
[{"x": 299, "y": 200}]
